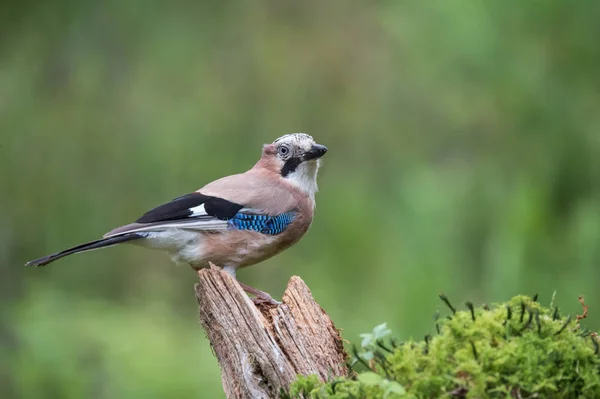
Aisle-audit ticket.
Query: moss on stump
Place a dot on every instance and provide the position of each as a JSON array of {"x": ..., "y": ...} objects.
[{"x": 518, "y": 349}]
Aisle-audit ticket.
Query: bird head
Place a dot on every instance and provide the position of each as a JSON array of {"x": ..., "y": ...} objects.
[{"x": 296, "y": 157}]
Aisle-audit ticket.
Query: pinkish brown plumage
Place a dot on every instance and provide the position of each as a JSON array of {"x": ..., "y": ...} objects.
[
  {"x": 236, "y": 221},
  {"x": 244, "y": 248}
]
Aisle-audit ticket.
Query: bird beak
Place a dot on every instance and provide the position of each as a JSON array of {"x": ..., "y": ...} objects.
[{"x": 316, "y": 151}]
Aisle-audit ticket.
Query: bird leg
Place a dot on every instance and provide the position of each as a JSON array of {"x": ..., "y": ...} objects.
[{"x": 259, "y": 296}]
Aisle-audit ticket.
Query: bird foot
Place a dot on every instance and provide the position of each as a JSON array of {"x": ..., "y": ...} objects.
[
  {"x": 265, "y": 299},
  {"x": 260, "y": 297}
]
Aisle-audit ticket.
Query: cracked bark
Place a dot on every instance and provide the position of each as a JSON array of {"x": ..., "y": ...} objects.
[{"x": 262, "y": 349}]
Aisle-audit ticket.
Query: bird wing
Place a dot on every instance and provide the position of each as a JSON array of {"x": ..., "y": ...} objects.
[
  {"x": 242, "y": 202},
  {"x": 194, "y": 211}
]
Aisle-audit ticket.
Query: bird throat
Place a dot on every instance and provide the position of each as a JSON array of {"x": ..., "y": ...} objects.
[{"x": 303, "y": 176}]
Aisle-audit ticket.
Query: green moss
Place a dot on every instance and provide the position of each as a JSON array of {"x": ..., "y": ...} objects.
[
  {"x": 516, "y": 349},
  {"x": 310, "y": 387}
]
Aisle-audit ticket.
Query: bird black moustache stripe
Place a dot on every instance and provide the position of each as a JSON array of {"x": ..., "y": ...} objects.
[{"x": 290, "y": 166}]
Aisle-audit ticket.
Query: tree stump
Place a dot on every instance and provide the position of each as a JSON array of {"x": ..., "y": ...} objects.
[{"x": 261, "y": 349}]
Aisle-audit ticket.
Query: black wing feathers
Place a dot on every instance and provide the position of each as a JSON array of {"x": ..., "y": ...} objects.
[
  {"x": 180, "y": 208},
  {"x": 220, "y": 208}
]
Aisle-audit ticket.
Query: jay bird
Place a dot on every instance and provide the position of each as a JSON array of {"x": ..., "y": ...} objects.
[{"x": 235, "y": 221}]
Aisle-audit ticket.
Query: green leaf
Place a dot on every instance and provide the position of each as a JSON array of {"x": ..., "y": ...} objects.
[
  {"x": 393, "y": 387},
  {"x": 367, "y": 340},
  {"x": 381, "y": 331},
  {"x": 370, "y": 378},
  {"x": 368, "y": 355}
]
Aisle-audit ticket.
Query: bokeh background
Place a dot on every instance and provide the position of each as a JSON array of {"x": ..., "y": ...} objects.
[{"x": 464, "y": 158}]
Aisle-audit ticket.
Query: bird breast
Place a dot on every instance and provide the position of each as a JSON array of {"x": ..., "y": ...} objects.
[{"x": 239, "y": 248}]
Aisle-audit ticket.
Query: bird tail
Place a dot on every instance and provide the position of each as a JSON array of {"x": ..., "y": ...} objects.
[{"x": 89, "y": 246}]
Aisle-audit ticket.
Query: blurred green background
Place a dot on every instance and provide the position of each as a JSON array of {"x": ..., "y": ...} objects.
[{"x": 464, "y": 157}]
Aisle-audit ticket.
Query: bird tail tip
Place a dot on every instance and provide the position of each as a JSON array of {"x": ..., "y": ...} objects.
[
  {"x": 40, "y": 261},
  {"x": 101, "y": 243}
]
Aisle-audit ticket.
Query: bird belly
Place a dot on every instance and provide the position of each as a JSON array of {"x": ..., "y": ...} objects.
[
  {"x": 239, "y": 248},
  {"x": 183, "y": 246},
  {"x": 233, "y": 248}
]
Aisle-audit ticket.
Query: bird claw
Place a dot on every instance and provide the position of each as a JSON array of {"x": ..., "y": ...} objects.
[
  {"x": 260, "y": 297},
  {"x": 265, "y": 299}
]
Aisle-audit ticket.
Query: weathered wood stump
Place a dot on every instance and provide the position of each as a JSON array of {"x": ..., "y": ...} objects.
[{"x": 262, "y": 349}]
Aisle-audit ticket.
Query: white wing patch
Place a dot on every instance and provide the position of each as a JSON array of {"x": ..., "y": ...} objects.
[{"x": 198, "y": 211}]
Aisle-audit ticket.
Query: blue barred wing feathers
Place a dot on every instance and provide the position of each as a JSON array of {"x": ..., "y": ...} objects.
[{"x": 264, "y": 224}]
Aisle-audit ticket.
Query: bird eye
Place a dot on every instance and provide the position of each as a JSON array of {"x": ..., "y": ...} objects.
[{"x": 283, "y": 150}]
